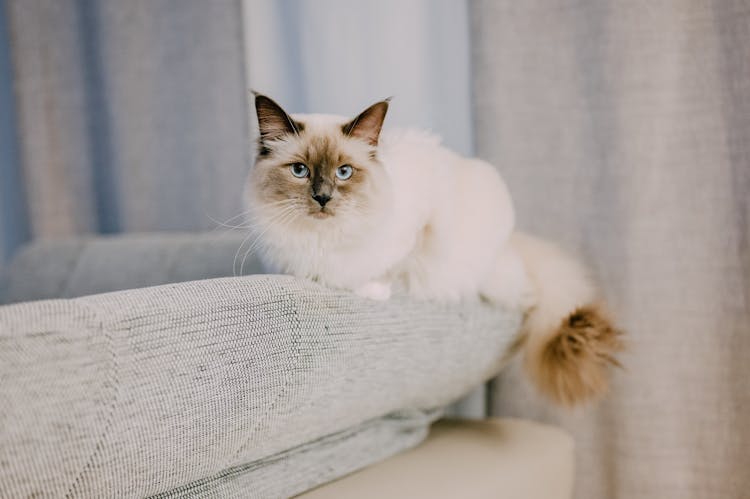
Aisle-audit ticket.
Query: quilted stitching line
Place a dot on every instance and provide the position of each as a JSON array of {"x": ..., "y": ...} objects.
[
  {"x": 114, "y": 380},
  {"x": 294, "y": 351},
  {"x": 421, "y": 419}
]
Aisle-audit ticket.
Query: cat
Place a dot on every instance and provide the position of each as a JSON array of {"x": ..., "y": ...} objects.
[{"x": 343, "y": 202}]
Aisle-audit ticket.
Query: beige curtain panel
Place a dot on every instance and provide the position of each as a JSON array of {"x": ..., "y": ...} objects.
[{"x": 623, "y": 129}]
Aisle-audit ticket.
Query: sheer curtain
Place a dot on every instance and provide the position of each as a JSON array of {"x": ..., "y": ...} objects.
[{"x": 623, "y": 129}]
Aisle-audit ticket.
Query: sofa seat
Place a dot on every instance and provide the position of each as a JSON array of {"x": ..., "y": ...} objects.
[{"x": 490, "y": 459}]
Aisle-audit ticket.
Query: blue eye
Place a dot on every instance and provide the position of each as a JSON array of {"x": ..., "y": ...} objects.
[
  {"x": 344, "y": 172},
  {"x": 299, "y": 170}
]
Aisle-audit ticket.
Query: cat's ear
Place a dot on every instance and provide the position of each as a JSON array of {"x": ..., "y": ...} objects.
[
  {"x": 273, "y": 121},
  {"x": 367, "y": 125}
]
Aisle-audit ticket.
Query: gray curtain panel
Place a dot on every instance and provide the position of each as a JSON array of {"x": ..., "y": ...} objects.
[
  {"x": 131, "y": 116},
  {"x": 623, "y": 129},
  {"x": 13, "y": 221}
]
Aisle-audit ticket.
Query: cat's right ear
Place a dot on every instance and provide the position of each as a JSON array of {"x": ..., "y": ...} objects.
[
  {"x": 273, "y": 121},
  {"x": 367, "y": 125}
]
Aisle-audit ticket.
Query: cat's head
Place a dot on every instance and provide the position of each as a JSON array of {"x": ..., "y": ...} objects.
[{"x": 316, "y": 173}]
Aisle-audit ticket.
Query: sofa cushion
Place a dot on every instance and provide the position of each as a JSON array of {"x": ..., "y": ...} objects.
[
  {"x": 260, "y": 386},
  {"x": 66, "y": 268},
  {"x": 471, "y": 460}
]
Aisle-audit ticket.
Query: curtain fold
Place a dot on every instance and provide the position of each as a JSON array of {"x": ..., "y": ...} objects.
[
  {"x": 13, "y": 212},
  {"x": 131, "y": 116},
  {"x": 623, "y": 130}
]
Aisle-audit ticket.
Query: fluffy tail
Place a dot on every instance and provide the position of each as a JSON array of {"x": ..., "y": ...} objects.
[{"x": 569, "y": 341}]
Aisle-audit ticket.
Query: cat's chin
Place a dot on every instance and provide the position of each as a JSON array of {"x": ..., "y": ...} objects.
[{"x": 321, "y": 215}]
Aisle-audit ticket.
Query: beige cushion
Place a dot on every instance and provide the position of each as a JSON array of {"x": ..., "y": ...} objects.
[{"x": 494, "y": 458}]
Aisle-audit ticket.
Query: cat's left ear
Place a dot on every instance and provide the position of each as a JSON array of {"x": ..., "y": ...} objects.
[
  {"x": 367, "y": 125},
  {"x": 274, "y": 123}
]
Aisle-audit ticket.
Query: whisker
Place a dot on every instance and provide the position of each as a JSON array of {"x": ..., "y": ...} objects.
[
  {"x": 247, "y": 213},
  {"x": 226, "y": 225},
  {"x": 237, "y": 254},
  {"x": 227, "y": 222},
  {"x": 275, "y": 219},
  {"x": 289, "y": 216},
  {"x": 282, "y": 217}
]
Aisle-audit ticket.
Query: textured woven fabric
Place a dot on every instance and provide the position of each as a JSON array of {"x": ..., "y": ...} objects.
[
  {"x": 67, "y": 268},
  {"x": 260, "y": 386}
]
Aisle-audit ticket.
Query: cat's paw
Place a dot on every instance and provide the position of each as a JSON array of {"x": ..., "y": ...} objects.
[
  {"x": 508, "y": 285},
  {"x": 374, "y": 290},
  {"x": 522, "y": 298}
]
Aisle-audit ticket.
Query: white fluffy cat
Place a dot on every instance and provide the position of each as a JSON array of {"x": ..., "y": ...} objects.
[{"x": 335, "y": 200}]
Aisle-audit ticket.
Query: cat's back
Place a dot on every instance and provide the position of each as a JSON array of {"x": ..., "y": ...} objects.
[
  {"x": 449, "y": 191},
  {"x": 419, "y": 164},
  {"x": 465, "y": 214},
  {"x": 412, "y": 148}
]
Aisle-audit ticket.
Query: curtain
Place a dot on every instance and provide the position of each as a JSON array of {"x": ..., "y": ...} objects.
[
  {"x": 129, "y": 116},
  {"x": 13, "y": 219},
  {"x": 623, "y": 130}
]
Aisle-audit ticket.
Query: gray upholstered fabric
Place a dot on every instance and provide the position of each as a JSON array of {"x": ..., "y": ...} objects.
[
  {"x": 258, "y": 386},
  {"x": 72, "y": 267}
]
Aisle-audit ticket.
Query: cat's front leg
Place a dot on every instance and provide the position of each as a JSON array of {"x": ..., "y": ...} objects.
[{"x": 375, "y": 290}]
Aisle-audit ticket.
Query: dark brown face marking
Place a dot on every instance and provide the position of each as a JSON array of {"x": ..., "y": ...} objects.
[
  {"x": 323, "y": 157},
  {"x": 273, "y": 122},
  {"x": 323, "y": 149},
  {"x": 322, "y": 192}
]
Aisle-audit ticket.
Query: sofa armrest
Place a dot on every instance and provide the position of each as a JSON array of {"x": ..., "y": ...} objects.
[{"x": 144, "y": 391}]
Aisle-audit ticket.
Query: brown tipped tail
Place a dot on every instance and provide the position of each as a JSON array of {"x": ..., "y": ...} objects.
[
  {"x": 573, "y": 365},
  {"x": 569, "y": 342}
]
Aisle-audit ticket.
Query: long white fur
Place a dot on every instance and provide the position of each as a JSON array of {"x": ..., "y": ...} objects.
[{"x": 440, "y": 225}]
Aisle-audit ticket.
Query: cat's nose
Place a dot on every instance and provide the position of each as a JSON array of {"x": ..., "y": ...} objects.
[{"x": 322, "y": 199}]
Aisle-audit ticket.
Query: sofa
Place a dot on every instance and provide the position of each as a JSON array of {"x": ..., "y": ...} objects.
[{"x": 140, "y": 365}]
